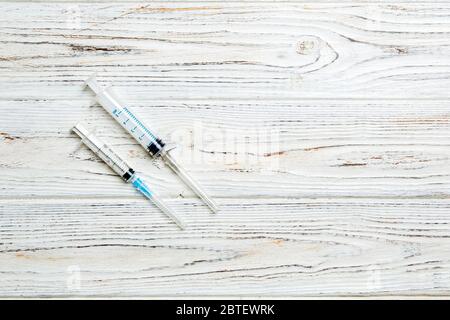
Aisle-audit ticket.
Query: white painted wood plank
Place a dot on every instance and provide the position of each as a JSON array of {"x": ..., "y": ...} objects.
[
  {"x": 254, "y": 247},
  {"x": 164, "y": 4},
  {"x": 196, "y": 50},
  {"x": 237, "y": 148}
]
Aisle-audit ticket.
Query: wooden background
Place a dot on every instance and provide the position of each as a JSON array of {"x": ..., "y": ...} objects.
[{"x": 322, "y": 130}]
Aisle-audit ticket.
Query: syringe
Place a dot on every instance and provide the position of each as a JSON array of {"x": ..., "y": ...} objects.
[
  {"x": 150, "y": 141},
  {"x": 122, "y": 169}
]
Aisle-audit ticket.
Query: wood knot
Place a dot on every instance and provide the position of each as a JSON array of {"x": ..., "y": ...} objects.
[{"x": 305, "y": 47}]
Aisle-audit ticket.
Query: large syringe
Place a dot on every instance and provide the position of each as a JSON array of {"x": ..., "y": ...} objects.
[
  {"x": 150, "y": 141},
  {"x": 119, "y": 166}
]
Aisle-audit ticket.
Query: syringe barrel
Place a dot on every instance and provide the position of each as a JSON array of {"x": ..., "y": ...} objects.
[
  {"x": 126, "y": 118},
  {"x": 104, "y": 152}
]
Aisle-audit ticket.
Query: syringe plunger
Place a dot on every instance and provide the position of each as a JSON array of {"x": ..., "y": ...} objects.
[{"x": 104, "y": 152}]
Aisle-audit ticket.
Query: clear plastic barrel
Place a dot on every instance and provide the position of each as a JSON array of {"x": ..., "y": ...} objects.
[
  {"x": 131, "y": 122},
  {"x": 102, "y": 150}
]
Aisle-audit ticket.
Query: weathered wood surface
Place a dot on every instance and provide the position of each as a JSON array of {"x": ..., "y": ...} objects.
[
  {"x": 250, "y": 149},
  {"x": 254, "y": 247},
  {"x": 258, "y": 50},
  {"x": 322, "y": 130}
]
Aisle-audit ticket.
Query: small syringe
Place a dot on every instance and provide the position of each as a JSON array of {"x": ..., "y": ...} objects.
[
  {"x": 122, "y": 169},
  {"x": 150, "y": 141}
]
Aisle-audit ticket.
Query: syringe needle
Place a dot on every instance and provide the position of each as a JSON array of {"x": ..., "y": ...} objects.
[
  {"x": 168, "y": 159},
  {"x": 140, "y": 185}
]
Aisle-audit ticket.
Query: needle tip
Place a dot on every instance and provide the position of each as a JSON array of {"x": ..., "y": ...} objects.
[{"x": 212, "y": 205}]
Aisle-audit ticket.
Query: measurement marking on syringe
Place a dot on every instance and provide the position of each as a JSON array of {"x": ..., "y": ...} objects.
[{"x": 139, "y": 123}]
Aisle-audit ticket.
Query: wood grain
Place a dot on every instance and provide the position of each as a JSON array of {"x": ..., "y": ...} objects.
[
  {"x": 247, "y": 149},
  {"x": 322, "y": 130},
  {"x": 312, "y": 247},
  {"x": 229, "y": 50}
]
